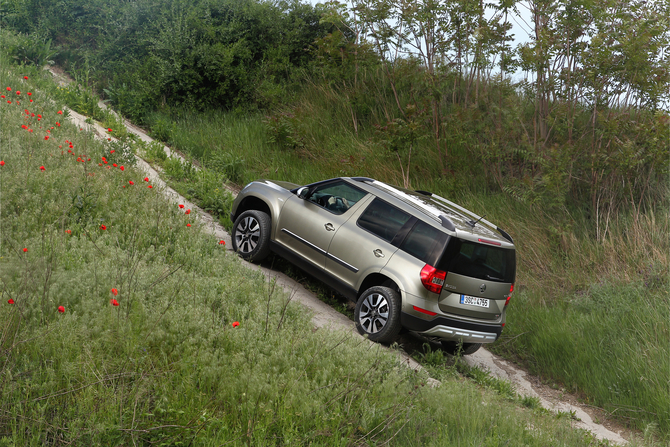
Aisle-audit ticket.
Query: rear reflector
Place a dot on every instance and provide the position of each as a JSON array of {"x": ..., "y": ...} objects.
[
  {"x": 424, "y": 311},
  {"x": 432, "y": 278},
  {"x": 486, "y": 241}
]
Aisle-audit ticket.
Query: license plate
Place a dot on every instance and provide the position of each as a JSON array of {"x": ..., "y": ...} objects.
[{"x": 474, "y": 301}]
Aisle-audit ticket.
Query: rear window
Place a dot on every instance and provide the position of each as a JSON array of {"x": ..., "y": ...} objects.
[{"x": 480, "y": 261}]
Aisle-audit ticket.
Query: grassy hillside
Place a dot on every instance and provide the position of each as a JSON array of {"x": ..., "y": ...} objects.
[
  {"x": 591, "y": 307},
  {"x": 124, "y": 324}
]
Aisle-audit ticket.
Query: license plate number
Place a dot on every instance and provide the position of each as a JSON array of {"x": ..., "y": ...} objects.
[{"x": 474, "y": 301}]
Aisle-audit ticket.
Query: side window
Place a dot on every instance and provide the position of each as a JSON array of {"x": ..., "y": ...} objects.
[
  {"x": 336, "y": 197},
  {"x": 382, "y": 219},
  {"x": 424, "y": 242}
]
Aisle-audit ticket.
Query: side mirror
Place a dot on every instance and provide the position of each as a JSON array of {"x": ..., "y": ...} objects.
[{"x": 302, "y": 192}]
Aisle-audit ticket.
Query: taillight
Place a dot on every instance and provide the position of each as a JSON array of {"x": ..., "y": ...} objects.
[
  {"x": 511, "y": 289},
  {"x": 432, "y": 278}
]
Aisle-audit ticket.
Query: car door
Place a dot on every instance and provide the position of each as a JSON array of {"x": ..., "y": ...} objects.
[
  {"x": 365, "y": 243},
  {"x": 307, "y": 224}
]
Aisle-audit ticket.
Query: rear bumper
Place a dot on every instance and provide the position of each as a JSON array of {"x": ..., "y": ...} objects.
[{"x": 451, "y": 329}]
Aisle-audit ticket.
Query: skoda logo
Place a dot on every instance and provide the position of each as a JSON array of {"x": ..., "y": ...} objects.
[{"x": 482, "y": 288}]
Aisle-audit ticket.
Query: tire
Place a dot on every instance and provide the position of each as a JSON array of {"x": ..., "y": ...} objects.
[
  {"x": 456, "y": 348},
  {"x": 251, "y": 235},
  {"x": 377, "y": 314}
]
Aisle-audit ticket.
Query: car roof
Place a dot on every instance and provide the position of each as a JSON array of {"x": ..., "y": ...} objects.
[{"x": 442, "y": 213}]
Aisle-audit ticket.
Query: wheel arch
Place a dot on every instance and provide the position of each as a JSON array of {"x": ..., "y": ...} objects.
[
  {"x": 254, "y": 203},
  {"x": 378, "y": 279}
]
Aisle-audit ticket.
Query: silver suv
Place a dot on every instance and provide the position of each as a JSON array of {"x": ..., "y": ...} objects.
[{"x": 409, "y": 259}]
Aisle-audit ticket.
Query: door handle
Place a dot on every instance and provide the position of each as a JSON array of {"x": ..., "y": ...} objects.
[
  {"x": 378, "y": 253},
  {"x": 329, "y": 226}
]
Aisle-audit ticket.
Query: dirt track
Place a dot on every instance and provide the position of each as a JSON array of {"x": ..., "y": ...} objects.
[{"x": 325, "y": 316}]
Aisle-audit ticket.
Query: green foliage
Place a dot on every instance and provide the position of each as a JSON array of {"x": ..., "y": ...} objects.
[
  {"x": 30, "y": 49},
  {"x": 81, "y": 100},
  {"x": 284, "y": 130},
  {"x": 177, "y": 168},
  {"x": 228, "y": 164}
]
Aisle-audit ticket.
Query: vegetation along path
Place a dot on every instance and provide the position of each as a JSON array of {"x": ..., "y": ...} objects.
[{"x": 325, "y": 316}]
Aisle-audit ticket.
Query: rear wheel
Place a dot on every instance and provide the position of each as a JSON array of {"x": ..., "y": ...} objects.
[
  {"x": 251, "y": 235},
  {"x": 377, "y": 314},
  {"x": 456, "y": 348}
]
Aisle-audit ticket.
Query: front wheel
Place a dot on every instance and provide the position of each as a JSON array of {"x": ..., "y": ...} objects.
[
  {"x": 377, "y": 314},
  {"x": 251, "y": 235}
]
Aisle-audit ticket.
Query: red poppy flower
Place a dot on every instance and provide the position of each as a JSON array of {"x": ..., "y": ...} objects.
[
  {"x": 222, "y": 242},
  {"x": 115, "y": 292},
  {"x": 18, "y": 92},
  {"x": 112, "y": 151},
  {"x": 113, "y": 302},
  {"x": 102, "y": 227},
  {"x": 188, "y": 211},
  {"x": 103, "y": 159},
  {"x": 131, "y": 182},
  {"x": 10, "y": 301},
  {"x": 68, "y": 231},
  {"x": 109, "y": 130},
  {"x": 188, "y": 225},
  {"x": 25, "y": 250},
  {"x": 42, "y": 168},
  {"x": 2, "y": 96},
  {"x": 181, "y": 206},
  {"x": 31, "y": 100},
  {"x": 9, "y": 89},
  {"x": 30, "y": 130},
  {"x": 150, "y": 187},
  {"x": 121, "y": 168},
  {"x": 114, "y": 164},
  {"x": 2, "y": 162},
  {"x": 25, "y": 77},
  {"x": 146, "y": 179},
  {"x": 99, "y": 164},
  {"x": 29, "y": 94},
  {"x": 58, "y": 124},
  {"x": 61, "y": 309},
  {"x": 23, "y": 126},
  {"x": 109, "y": 139},
  {"x": 9, "y": 102},
  {"x": 46, "y": 137},
  {"x": 39, "y": 116},
  {"x": 236, "y": 323},
  {"x": 60, "y": 112}
]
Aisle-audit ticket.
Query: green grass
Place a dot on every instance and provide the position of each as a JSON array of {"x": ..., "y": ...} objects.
[
  {"x": 167, "y": 366},
  {"x": 611, "y": 340}
]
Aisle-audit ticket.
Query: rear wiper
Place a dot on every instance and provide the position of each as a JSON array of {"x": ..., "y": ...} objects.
[{"x": 493, "y": 278}]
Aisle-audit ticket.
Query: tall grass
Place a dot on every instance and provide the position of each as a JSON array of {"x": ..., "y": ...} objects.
[
  {"x": 199, "y": 350},
  {"x": 608, "y": 343}
]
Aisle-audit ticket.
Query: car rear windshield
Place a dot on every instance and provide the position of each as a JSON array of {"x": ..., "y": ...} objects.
[{"x": 480, "y": 261}]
